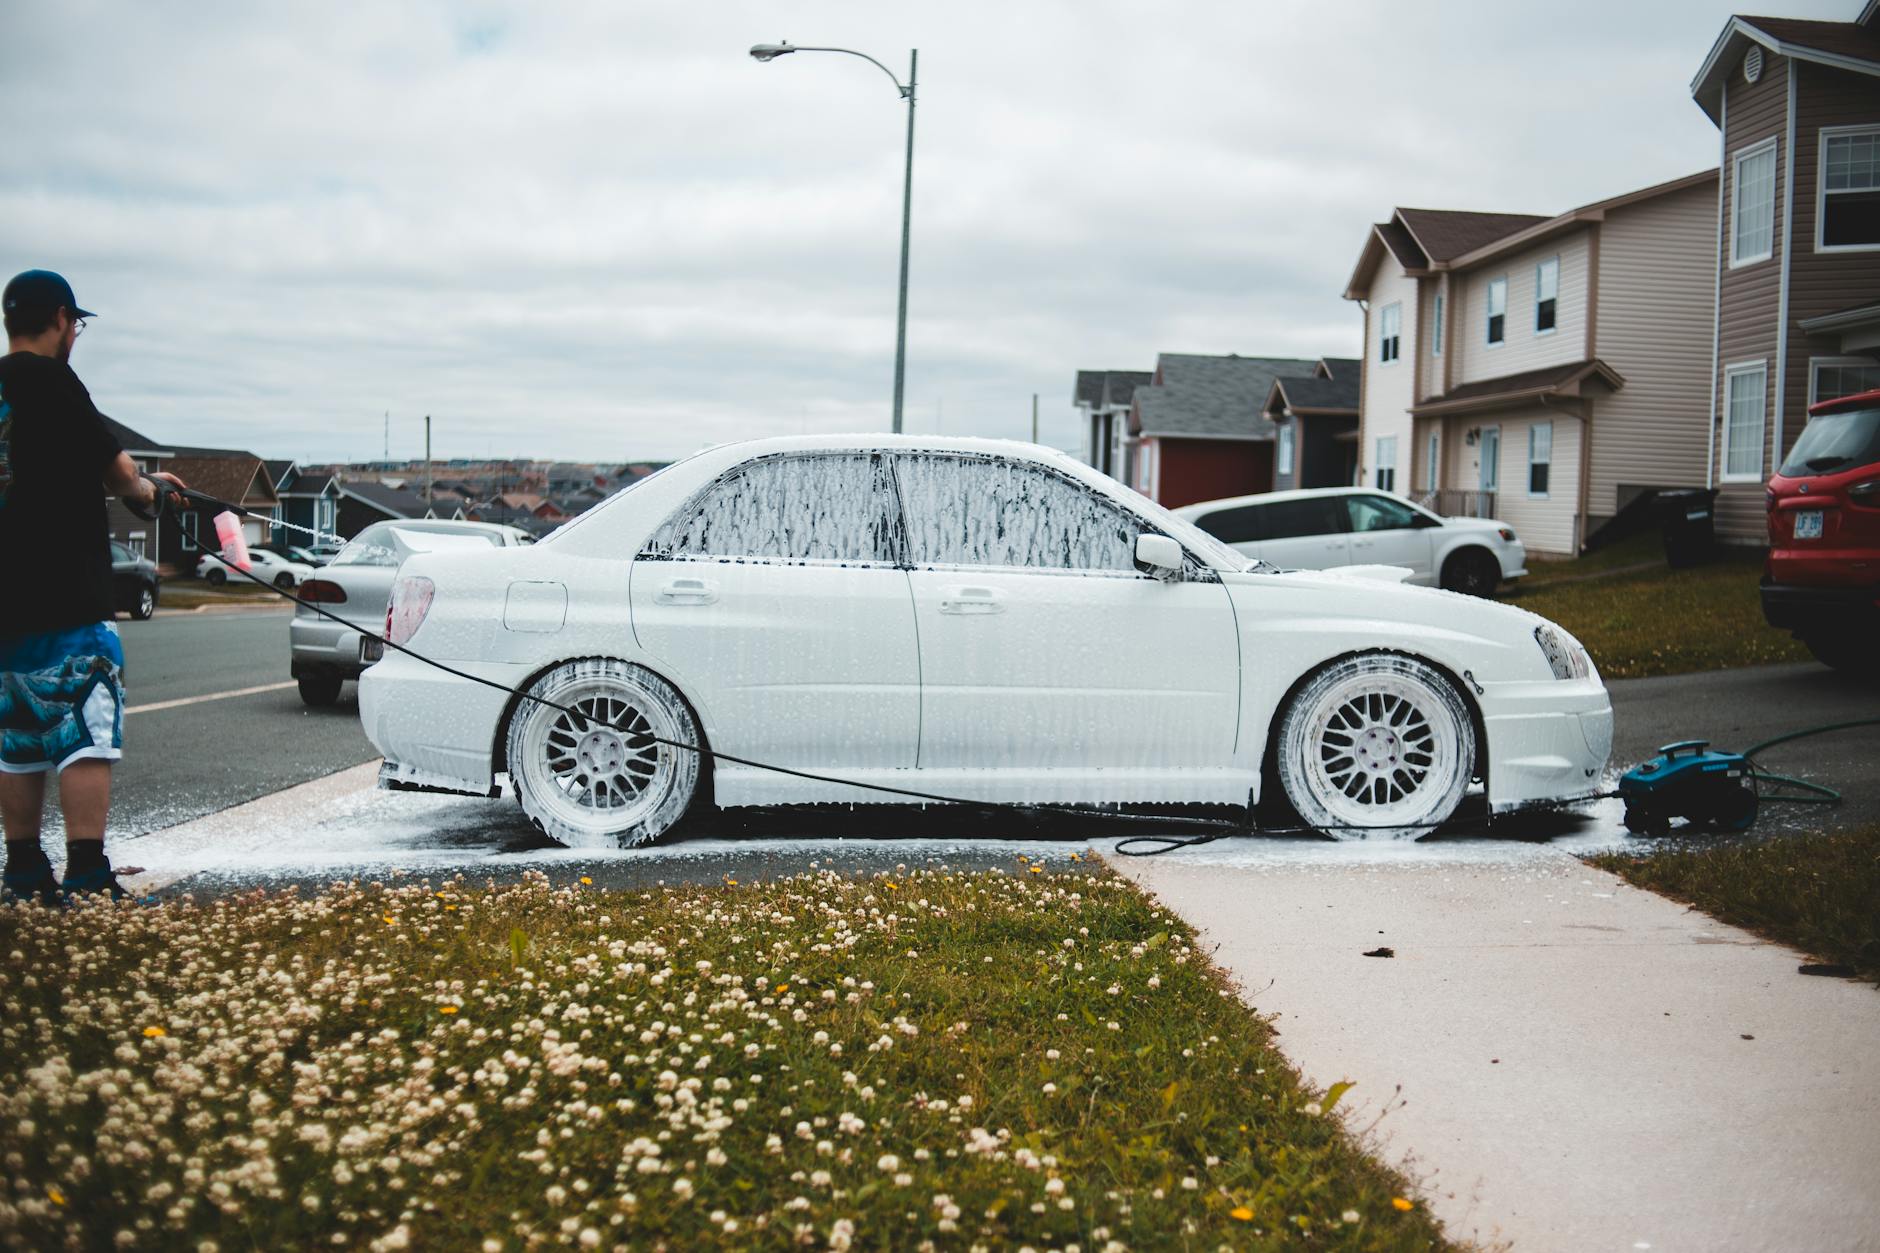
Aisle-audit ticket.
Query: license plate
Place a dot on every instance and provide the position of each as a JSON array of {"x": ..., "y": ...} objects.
[
  {"x": 1808, "y": 524},
  {"x": 371, "y": 651}
]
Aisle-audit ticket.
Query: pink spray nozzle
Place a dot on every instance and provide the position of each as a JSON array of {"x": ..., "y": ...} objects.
[{"x": 228, "y": 529}]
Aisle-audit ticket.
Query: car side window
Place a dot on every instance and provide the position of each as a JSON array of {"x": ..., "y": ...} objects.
[
  {"x": 1243, "y": 524},
  {"x": 1380, "y": 513},
  {"x": 787, "y": 508},
  {"x": 120, "y": 553},
  {"x": 1309, "y": 515},
  {"x": 971, "y": 510}
]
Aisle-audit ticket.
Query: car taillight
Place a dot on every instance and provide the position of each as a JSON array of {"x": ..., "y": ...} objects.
[
  {"x": 1769, "y": 500},
  {"x": 1866, "y": 493},
  {"x": 1506, "y": 534},
  {"x": 411, "y": 600},
  {"x": 322, "y": 592}
]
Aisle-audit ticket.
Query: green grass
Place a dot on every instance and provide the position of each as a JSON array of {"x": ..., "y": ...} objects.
[
  {"x": 1641, "y": 549},
  {"x": 1818, "y": 893},
  {"x": 194, "y": 592},
  {"x": 1660, "y": 621},
  {"x": 973, "y": 1059}
]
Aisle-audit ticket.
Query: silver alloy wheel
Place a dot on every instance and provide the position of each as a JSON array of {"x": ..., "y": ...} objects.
[
  {"x": 146, "y": 603},
  {"x": 605, "y": 775},
  {"x": 1376, "y": 747}
]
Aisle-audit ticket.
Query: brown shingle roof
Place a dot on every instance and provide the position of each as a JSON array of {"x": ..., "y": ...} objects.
[
  {"x": 231, "y": 477},
  {"x": 1445, "y": 234},
  {"x": 1402, "y": 245},
  {"x": 1549, "y": 380},
  {"x": 1845, "y": 38}
]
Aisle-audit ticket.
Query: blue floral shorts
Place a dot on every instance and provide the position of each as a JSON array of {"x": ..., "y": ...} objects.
[{"x": 61, "y": 698}]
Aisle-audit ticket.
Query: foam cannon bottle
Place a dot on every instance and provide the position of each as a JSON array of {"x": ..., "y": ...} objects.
[{"x": 228, "y": 529}]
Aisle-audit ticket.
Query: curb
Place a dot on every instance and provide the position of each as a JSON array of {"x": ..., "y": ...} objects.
[{"x": 269, "y": 606}]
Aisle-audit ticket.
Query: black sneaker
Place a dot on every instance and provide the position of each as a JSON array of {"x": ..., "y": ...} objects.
[{"x": 34, "y": 883}]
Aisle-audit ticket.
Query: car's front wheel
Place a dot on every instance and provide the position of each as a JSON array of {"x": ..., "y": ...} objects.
[
  {"x": 216, "y": 576},
  {"x": 1376, "y": 747},
  {"x": 145, "y": 604},
  {"x": 284, "y": 581},
  {"x": 599, "y": 767}
]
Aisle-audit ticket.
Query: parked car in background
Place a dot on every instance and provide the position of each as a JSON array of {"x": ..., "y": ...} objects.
[
  {"x": 944, "y": 616},
  {"x": 134, "y": 582},
  {"x": 355, "y": 586},
  {"x": 1327, "y": 527},
  {"x": 315, "y": 555},
  {"x": 1821, "y": 581},
  {"x": 264, "y": 565}
]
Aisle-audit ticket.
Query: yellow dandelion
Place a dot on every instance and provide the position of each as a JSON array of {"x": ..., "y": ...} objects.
[
  {"x": 782, "y": 988},
  {"x": 391, "y": 921},
  {"x": 450, "y": 907},
  {"x": 438, "y": 895},
  {"x": 1037, "y": 869},
  {"x": 151, "y": 1033},
  {"x": 893, "y": 887},
  {"x": 1242, "y": 1213},
  {"x": 1401, "y": 1205},
  {"x": 446, "y": 1009},
  {"x": 730, "y": 882},
  {"x": 54, "y": 1195},
  {"x": 587, "y": 881}
]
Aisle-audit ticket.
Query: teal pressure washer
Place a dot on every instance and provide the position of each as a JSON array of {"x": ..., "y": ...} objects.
[{"x": 1706, "y": 787}]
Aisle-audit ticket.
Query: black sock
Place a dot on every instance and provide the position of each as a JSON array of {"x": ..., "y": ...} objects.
[
  {"x": 83, "y": 856},
  {"x": 24, "y": 855}
]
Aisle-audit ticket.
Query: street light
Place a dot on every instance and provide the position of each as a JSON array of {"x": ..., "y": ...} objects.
[{"x": 770, "y": 52}]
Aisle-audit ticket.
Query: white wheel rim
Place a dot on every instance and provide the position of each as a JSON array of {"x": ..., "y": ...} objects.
[
  {"x": 1379, "y": 751},
  {"x": 591, "y": 776}
]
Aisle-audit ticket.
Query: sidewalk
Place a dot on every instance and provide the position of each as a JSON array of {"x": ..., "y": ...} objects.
[{"x": 1568, "y": 1062}]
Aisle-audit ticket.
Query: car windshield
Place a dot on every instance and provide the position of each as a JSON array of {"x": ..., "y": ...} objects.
[
  {"x": 1836, "y": 441},
  {"x": 378, "y": 545}
]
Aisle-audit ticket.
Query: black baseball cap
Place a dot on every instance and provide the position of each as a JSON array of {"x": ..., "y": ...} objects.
[{"x": 42, "y": 289}]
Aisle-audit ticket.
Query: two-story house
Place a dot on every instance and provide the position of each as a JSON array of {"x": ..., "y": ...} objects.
[
  {"x": 1541, "y": 370},
  {"x": 1102, "y": 398},
  {"x": 1197, "y": 428},
  {"x": 1796, "y": 238}
]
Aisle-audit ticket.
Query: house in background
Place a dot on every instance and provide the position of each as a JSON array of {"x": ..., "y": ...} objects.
[
  {"x": 1197, "y": 430},
  {"x": 141, "y": 537},
  {"x": 309, "y": 498},
  {"x": 228, "y": 474},
  {"x": 1315, "y": 422},
  {"x": 363, "y": 502},
  {"x": 1795, "y": 240},
  {"x": 1540, "y": 370},
  {"x": 1103, "y": 398}
]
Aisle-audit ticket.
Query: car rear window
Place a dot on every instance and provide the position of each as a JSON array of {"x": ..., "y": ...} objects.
[
  {"x": 1242, "y": 524},
  {"x": 1310, "y": 515},
  {"x": 1836, "y": 441},
  {"x": 376, "y": 546}
]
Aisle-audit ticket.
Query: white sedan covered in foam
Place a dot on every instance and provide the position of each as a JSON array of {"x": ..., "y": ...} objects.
[{"x": 970, "y": 618}]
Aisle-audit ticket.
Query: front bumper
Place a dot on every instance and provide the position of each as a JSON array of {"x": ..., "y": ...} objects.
[
  {"x": 320, "y": 647},
  {"x": 1821, "y": 610},
  {"x": 434, "y": 729},
  {"x": 1547, "y": 740}
]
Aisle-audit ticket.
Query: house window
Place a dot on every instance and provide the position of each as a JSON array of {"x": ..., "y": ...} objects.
[
  {"x": 1389, "y": 332},
  {"x": 1285, "y": 448},
  {"x": 135, "y": 542},
  {"x": 1497, "y": 310},
  {"x": 1850, "y": 189},
  {"x": 1753, "y": 204},
  {"x": 1540, "y": 457},
  {"x": 1490, "y": 478},
  {"x": 1832, "y": 379},
  {"x": 1432, "y": 460},
  {"x": 1746, "y": 405},
  {"x": 1384, "y": 473},
  {"x": 1436, "y": 327},
  {"x": 1546, "y": 294}
]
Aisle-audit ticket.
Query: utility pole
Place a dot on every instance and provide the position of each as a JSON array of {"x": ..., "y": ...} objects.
[
  {"x": 1034, "y": 417},
  {"x": 388, "y": 437},
  {"x": 427, "y": 463}
]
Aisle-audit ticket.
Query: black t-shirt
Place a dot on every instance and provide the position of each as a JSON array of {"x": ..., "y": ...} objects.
[{"x": 55, "y": 539}]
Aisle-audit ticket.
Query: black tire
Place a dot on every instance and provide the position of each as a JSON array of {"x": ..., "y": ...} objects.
[
  {"x": 588, "y": 787},
  {"x": 284, "y": 581},
  {"x": 1472, "y": 571},
  {"x": 320, "y": 690},
  {"x": 1845, "y": 653},
  {"x": 146, "y": 603},
  {"x": 216, "y": 577}
]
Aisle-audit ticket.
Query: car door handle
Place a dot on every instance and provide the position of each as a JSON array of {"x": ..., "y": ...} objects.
[
  {"x": 688, "y": 592},
  {"x": 964, "y": 600}
]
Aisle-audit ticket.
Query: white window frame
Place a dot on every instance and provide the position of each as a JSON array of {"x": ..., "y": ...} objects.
[
  {"x": 1535, "y": 428},
  {"x": 1816, "y": 363},
  {"x": 1433, "y": 454},
  {"x": 1436, "y": 326},
  {"x": 1381, "y": 467},
  {"x": 1767, "y": 146},
  {"x": 1488, "y": 313},
  {"x": 1821, "y": 188},
  {"x": 1743, "y": 369},
  {"x": 1283, "y": 457},
  {"x": 1539, "y": 267},
  {"x": 1388, "y": 340}
]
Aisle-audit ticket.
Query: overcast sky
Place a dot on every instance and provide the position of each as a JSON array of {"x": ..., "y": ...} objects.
[{"x": 603, "y": 231}]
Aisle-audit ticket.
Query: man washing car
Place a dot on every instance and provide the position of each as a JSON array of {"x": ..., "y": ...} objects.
[{"x": 61, "y": 666}]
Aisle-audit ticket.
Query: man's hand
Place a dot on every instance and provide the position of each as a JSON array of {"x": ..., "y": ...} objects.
[{"x": 153, "y": 484}]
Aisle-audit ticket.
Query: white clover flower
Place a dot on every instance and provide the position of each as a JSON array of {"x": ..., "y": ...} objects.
[
  {"x": 682, "y": 1188},
  {"x": 1054, "y": 1186},
  {"x": 1350, "y": 1216},
  {"x": 1312, "y": 1107},
  {"x": 888, "y": 1162}
]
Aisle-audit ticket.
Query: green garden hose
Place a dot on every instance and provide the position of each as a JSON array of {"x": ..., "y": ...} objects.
[{"x": 1818, "y": 794}]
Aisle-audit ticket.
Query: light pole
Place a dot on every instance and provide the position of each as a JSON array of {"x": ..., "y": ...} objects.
[{"x": 770, "y": 52}]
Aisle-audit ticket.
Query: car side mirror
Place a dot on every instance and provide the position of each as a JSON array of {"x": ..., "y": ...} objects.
[{"x": 1161, "y": 555}]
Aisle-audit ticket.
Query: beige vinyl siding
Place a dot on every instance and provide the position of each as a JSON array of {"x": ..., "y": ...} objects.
[
  {"x": 1385, "y": 408},
  {"x": 1657, "y": 298},
  {"x": 1544, "y": 525},
  {"x": 1748, "y": 312},
  {"x": 1522, "y": 349}
]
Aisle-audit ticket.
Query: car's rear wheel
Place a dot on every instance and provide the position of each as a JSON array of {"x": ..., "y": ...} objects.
[
  {"x": 1845, "y": 652},
  {"x": 216, "y": 577},
  {"x": 1376, "y": 747},
  {"x": 284, "y": 581},
  {"x": 320, "y": 690},
  {"x": 607, "y": 774},
  {"x": 1473, "y": 572},
  {"x": 145, "y": 604}
]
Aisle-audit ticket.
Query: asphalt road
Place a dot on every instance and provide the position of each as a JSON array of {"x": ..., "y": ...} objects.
[{"x": 187, "y": 760}]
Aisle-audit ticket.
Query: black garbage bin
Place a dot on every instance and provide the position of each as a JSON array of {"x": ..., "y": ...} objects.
[{"x": 1687, "y": 519}]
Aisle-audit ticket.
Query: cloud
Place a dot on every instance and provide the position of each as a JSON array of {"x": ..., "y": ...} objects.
[{"x": 603, "y": 231}]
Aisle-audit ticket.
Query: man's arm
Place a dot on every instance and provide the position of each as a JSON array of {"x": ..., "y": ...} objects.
[{"x": 123, "y": 479}]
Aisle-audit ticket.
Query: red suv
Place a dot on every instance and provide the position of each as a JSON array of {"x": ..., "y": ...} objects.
[{"x": 1822, "y": 581}]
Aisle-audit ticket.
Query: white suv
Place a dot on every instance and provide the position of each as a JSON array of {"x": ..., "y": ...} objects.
[{"x": 1320, "y": 528}]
